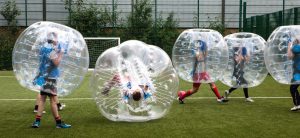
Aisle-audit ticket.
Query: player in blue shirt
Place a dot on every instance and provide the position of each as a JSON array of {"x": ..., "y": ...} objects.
[
  {"x": 294, "y": 54},
  {"x": 51, "y": 53}
]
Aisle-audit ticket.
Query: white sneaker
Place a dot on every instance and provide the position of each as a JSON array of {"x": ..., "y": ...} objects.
[
  {"x": 35, "y": 111},
  {"x": 226, "y": 94},
  {"x": 220, "y": 100},
  {"x": 295, "y": 108},
  {"x": 249, "y": 100},
  {"x": 62, "y": 106}
]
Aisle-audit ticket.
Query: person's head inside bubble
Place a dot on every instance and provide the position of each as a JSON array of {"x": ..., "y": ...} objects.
[
  {"x": 136, "y": 95},
  {"x": 52, "y": 38}
]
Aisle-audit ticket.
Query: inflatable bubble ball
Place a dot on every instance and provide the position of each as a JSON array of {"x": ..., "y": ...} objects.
[
  {"x": 134, "y": 82},
  {"x": 246, "y": 65},
  {"x": 50, "y": 57},
  {"x": 200, "y": 51},
  {"x": 282, "y": 54}
]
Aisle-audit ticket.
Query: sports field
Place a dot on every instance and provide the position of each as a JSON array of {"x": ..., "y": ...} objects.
[{"x": 200, "y": 116}]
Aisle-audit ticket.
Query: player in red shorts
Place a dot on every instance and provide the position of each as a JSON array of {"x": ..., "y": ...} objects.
[{"x": 199, "y": 73}]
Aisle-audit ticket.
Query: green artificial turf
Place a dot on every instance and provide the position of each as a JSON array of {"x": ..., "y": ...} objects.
[{"x": 200, "y": 116}]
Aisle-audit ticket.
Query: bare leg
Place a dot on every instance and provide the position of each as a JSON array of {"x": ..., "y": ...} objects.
[
  {"x": 41, "y": 104},
  {"x": 36, "y": 106},
  {"x": 54, "y": 108},
  {"x": 38, "y": 97}
]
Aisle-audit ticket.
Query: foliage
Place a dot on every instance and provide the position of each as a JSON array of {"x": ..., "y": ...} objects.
[
  {"x": 10, "y": 11},
  {"x": 139, "y": 22},
  {"x": 141, "y": 26},
  {"x": 90, "y": 20},
  {"x": 217, "y": 25},
  {"x": 6, "y": 47},
  {"x": 166, "y": 33}
]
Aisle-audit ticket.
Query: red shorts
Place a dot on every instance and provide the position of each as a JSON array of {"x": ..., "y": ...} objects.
[{"x": 200, "y": 76}]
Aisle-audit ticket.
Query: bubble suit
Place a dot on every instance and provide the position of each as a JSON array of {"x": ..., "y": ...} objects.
[
  {"x": 282, "y": 68},
  {"x": 200, "y": 51},
  {"x": 39, "y": 47},
  {"x": 246, "y": 65},
  {"x": 134, "y": 82}
]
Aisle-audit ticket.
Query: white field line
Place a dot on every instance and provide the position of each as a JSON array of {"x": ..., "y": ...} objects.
[
  {"x": 193, "y": 98},
  {"x": 6, "y": 76}
]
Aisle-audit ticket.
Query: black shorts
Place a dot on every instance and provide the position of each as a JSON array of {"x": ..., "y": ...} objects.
[{"x": 49, "y": 88}]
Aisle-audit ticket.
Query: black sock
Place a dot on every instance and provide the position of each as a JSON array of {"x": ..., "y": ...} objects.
[
  {"x": 58, "y": 105},
  {"x": 36, "y": 107},
  {"x": 246, "y": 92},
  {"x": 58, "y": 121}
]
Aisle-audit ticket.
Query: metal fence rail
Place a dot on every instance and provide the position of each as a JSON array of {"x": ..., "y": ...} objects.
[{"x": 189, "y": 13}]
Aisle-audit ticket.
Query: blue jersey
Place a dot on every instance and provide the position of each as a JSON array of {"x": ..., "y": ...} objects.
[
  {"x": 47, "y": 68},
  {"x": 296, "y": 64}
]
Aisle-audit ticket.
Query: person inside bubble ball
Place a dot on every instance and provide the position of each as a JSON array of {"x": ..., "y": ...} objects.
[
  {"x": 51, "y": 53},
  {"x": 293, "y": 53},
  {"x": 130, "y": 90},
  {"x": 199, "y": 72},
  {"x": 241, "y": 57}
]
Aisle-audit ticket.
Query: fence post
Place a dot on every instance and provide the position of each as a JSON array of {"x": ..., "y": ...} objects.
[
  {"x": 155, "y": 21},
  {"x": 132, "y": 9},
  {"x": 267, "y": 26},
  {"x": 296, "y": 15},
  {"x": 240, "y": 16},
  {"x": 114, "y": 18},
  {"x": 198, "y": 13},
  {"x": 223, "y": 12},
  {"x": 155, "y": 13},
  {"x": 113, "y": 12},
  {"x": 70, "y": 12},
  {"x": 244, "y": 14},
  {"x": 283, "y": 7},
  {"x": 252, "y": 24},
  {"x": 259, "y": 25},
  {"x": 26, "y": 21},
  {"x": 44, "y": 10},
  {"x": 279, "y": 22}
]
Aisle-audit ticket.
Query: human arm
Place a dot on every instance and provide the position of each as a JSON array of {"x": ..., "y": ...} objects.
[
  {"x": 290, "y": 54},
  {"x": 56, "y": 57}
]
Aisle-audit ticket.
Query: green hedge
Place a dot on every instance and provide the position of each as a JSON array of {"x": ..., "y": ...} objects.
[{"x": 7, "y": 41}]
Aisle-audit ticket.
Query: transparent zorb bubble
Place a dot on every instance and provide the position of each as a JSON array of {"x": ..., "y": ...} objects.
[
  {"x": 198, "y": 51},
  {"x": 35, "y": 51},
  {"x": 282, "y": 68},
  {"x": 246, "y": 66},
  {"x": 134, "y": 82}
]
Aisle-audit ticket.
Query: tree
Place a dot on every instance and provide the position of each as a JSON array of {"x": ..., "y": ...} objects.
[
  {"x": 10, "y": 11},
  {"x": 139, "y": 22}
]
